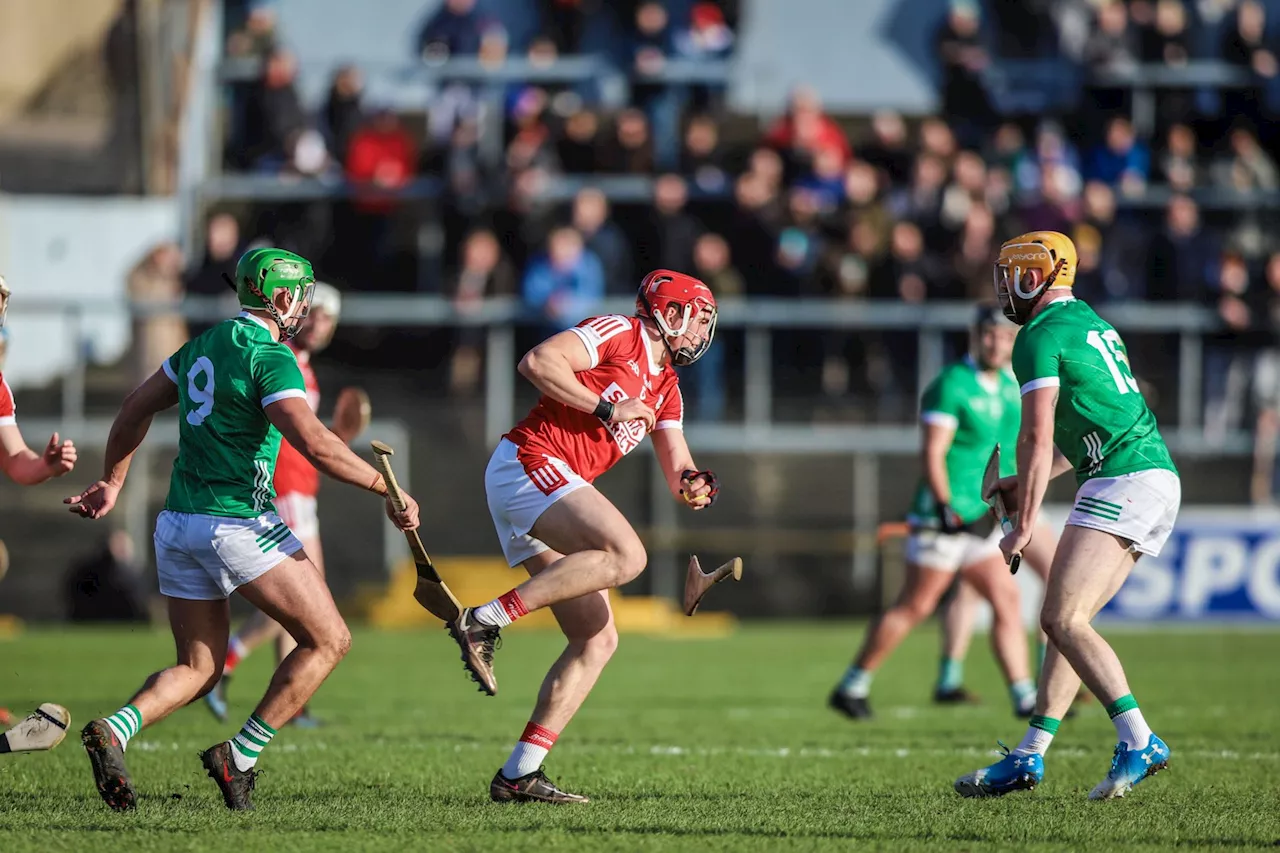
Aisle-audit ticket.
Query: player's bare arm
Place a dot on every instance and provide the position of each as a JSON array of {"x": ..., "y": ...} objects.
[
  {"x": 935, "y": 442},
  {"x": 25, "y": 467},
  {"x": 551, "y": 367},
  {"x": 128, "y": 430},
  {"x": 351, "y": 414},
  {"x": 329, "y": 453},
  {"x": 696, "y": 488},
  {"x": 1035, "y": 463}
]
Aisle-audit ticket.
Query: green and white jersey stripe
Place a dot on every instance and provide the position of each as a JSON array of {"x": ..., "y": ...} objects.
[{"x": 273, "y": 537}]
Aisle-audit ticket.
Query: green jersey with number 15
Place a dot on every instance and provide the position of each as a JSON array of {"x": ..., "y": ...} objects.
[
  {"x": 226, "y": 446},
  {"x": 1102, "y": 423}
]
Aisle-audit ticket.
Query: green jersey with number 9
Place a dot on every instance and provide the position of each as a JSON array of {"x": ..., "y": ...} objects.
[
  {"x": 227, "y": 448},
  {"x": 1102, "y": 423}
]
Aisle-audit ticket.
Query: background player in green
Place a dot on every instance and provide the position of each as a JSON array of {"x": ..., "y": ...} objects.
[
  {"x": 1081, "y": 411},
  {"x": 237, "y": 388},
  {"x": 969, "y": 407}
]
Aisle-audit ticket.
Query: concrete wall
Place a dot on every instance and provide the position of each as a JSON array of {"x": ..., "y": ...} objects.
[{"x": 37, "y": 36}]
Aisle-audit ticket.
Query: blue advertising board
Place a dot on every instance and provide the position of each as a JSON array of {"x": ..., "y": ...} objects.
[{"x": 1218, "y": 565}]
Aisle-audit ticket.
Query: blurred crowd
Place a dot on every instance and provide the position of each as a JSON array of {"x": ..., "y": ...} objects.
[{"x": 804, "y": 204}]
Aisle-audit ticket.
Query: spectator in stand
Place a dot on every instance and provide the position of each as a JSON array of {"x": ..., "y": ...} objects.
[
  {"x": 221, "y": 250},
  {"x": 1053, "y": 152},
  {"x": 909, "y": 273},
  {"x": 564, "y": 21},
  {"x": 257, "y": 40},
  {"x": 1167, "y": 41},
  {"x": 531, "y": 143},
  {"x": 1121, "y": 161},
  {"x": 1246, "y": 167},
  {"x": 630, "y": 150},
  {"x": 1183, "y": 257},
  {"x": 921, "y": 202},
  {"x": 342, "y": 111},
  {"x": 937, "y": 138},
  {"x": 273, "y": 115},
  {"x": 577, "y": 148},
  {"x": 1245, "y": 45},
  {"x": 564, "y": 285},
  {"x": 1229, "y": 352},
  {"x": 484, "y": 273},
  {"x": 1178, "y": 164},
  {"x": 604, "y": 238},
  {"x": 707, "y": 37},
  {"x": 1056, "y": 208},
  {"x": 862, "y": 201},
  {"x": 1008, "y": 149},
  {"x": 800, "y": 245},
  {"x": 966, "y": 191},
  {"x": 1122, "y": 247},
  {"x": 804, "y": 130},
  {"x": 756, "y": 221},
  {"x": 674, "y": 231},
  {"x": 826, "y": 181},
  {"x": 971, "y": 260},
  {"x": 651, "y": 46},
  {"x": 157, "y": 278},
  {"x": 890, "y": 147},
  {"x": 1112, "y": 44},
  {"x": 702, "y": 159},
  {"x": 846, "y": 274},
  {"x": 964, "y": 56},
  {"x": 381, "y": 160},
  {"x": 1266, "y": 383},
  {"x": 454, "y": 30},
  {"x": 712, "y": 265},
  {"x": 768, "y": 166}
]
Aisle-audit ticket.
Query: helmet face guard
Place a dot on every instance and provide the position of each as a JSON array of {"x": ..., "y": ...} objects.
[
  {"x": 290, "y": 323},
  {"x": 4, "y": 300},
  {"x": 1017, "y": 290},
  {"x": 691, "y": 304}
]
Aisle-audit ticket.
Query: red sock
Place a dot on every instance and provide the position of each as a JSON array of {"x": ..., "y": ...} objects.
[
  {"x": 530, "y": 752},
  {"x": 233, "y": 660},
  {"x": 502, "y": 611}
]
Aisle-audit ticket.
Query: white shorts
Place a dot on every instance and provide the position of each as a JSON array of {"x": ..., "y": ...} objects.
[
  {"x": 206, "y": 557},
  {"x": 951, "y": 552},
  {"x": 1140, "y": 507},
  {"x": 519, "y": 495},
  {"x": 299, "y": 512}
]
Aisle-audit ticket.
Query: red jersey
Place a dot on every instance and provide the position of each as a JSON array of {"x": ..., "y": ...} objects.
[
  {"x": 294, "y": 474},
  {"x": 7, "y": 409},
  {"x": 621, "y": 368}
]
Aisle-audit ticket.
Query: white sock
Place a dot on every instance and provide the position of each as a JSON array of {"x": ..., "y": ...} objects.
[
  {"x": 856, "y": 682},
  {"x": 1034, "y": 742},
  {"x": 530, "y": 752},
  {"x": 1132, "y": 729},
  {"x": 247, "y": 745}
]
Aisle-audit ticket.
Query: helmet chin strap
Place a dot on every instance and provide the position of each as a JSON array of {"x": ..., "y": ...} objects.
[{"x": 653, "y": 317}]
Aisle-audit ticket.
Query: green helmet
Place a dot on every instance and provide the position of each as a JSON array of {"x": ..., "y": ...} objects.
[{"x": 262, "y": 272}]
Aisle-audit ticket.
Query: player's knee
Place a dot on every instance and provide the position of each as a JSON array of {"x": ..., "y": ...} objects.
[
  {"x": 917, "y": 609},
  {"x": 336, "y": 643},
  {"x": 1059, "y": 624},
  {"x": 628, "y": 561},
  {"x": 600, "y": 646}
]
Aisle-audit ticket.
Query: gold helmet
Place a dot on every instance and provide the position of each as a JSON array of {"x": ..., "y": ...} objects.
[{"x": 1030, "y": 264}]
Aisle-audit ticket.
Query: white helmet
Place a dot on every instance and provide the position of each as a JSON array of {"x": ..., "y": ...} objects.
[
  {"x": 328, "y": 299},
  {"x": 4, "y": 299}
]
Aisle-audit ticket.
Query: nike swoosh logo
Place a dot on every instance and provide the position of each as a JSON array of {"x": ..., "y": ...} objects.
[{"x": 226, "y": 773}]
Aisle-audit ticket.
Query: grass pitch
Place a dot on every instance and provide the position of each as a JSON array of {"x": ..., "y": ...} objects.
[{"x": 685, "y": 745}]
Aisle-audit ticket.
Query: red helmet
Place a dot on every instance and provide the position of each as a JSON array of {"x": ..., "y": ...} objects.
[{"x": 663, "y": 288}]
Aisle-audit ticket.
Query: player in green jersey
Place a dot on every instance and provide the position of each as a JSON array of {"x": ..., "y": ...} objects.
[
  {"x": 238, "y": 389},
  {"x": 965, "y": 411},
  {"x": 1081, "y": 412}
]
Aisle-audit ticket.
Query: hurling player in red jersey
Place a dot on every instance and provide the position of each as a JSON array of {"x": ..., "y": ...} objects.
[
  {"x": 606, "y": 384},
  {"x": 25, "y": 467},
  {"x": 296, "y": 485}
]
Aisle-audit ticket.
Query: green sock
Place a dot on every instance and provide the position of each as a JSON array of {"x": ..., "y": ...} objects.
[
  {"x": 248, "y": 744},
  {"x": 950, "y": 674},
  {"x": 1041, "y": 647},
  {"x": 126, "y": 723},
  {"x": 1124, "y": 703}
]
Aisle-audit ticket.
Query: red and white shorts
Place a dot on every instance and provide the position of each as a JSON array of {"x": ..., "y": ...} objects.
[
  {"x": 299, "y": 512},
  {"x": 519, "y": 495}
]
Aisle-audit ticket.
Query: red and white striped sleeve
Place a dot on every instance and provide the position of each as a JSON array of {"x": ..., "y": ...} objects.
[
  {"x": 8, "y": 412},
  {"x": 671, "y": 416},
  {"x": 603, "y": 336}
]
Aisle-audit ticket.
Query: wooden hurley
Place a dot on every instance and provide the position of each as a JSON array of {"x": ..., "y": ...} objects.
[{"x": 432, "y": 592}]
